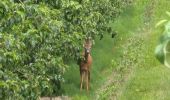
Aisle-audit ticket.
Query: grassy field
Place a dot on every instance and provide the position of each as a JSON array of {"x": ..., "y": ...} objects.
[
  {"x": 150, "y": 80},
  {"x": 125, "y": 68}
]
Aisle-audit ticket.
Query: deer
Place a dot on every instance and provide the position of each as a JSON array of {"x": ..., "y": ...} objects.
[{"x": 85, "y": 64}]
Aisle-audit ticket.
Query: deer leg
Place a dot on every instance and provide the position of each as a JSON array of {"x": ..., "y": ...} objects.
[
  {"x": 81, "y": 80},
  {"x": 89, "y": 75},
  {"x": 87, "y": 81}
]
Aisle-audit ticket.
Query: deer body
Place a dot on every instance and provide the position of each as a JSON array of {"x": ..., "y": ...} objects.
[{"x": 85, "y": 65}]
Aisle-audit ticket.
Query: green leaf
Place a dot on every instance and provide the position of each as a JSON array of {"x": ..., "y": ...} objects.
[
  {"x": 168, "y": 13},
  {"x": 160, "y": 23},
  {"x": 159, "y": 53},
  {"x": 167, "y": 28},
  {"x": 3, "y": 84},
  {"x": 22, "y": 14},
  {"x": 4, "y": 4},
  {"x": 167, "y": 53}
]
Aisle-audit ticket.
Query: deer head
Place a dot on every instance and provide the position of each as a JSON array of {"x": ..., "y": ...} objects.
[{"x": 87, "y": 45}]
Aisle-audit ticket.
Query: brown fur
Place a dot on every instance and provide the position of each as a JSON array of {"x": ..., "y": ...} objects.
[{"x": 85, "y": 66}]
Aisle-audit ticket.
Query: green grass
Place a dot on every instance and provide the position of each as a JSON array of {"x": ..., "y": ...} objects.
[
  {"x": 102, "y": 54},
  {"x": 150, "y": 80},
  {"x": 137, "y": 73}
]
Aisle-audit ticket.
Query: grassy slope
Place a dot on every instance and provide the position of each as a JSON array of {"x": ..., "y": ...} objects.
[
  {"x": 150, "y": 80},
  {"x": 142, "y": 78}
]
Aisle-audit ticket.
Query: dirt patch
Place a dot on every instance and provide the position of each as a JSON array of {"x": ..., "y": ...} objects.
[{"x": 56, "y": 98}]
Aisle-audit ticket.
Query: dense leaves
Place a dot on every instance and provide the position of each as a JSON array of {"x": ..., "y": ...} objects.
[{"x": 38, "y": 37}]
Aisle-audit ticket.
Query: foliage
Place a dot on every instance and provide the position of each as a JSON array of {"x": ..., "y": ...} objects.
[
  {"x": 38, "y": 37},
  {"x": 162, "y": 51}
]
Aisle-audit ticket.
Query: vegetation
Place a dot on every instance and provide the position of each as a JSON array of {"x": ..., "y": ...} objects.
[
  {"x": 38, "y": 37},
  {"x": 137, "y": 74},
  {"x": 41, "y": 39},
  {"x": 162, "y": 51}
]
